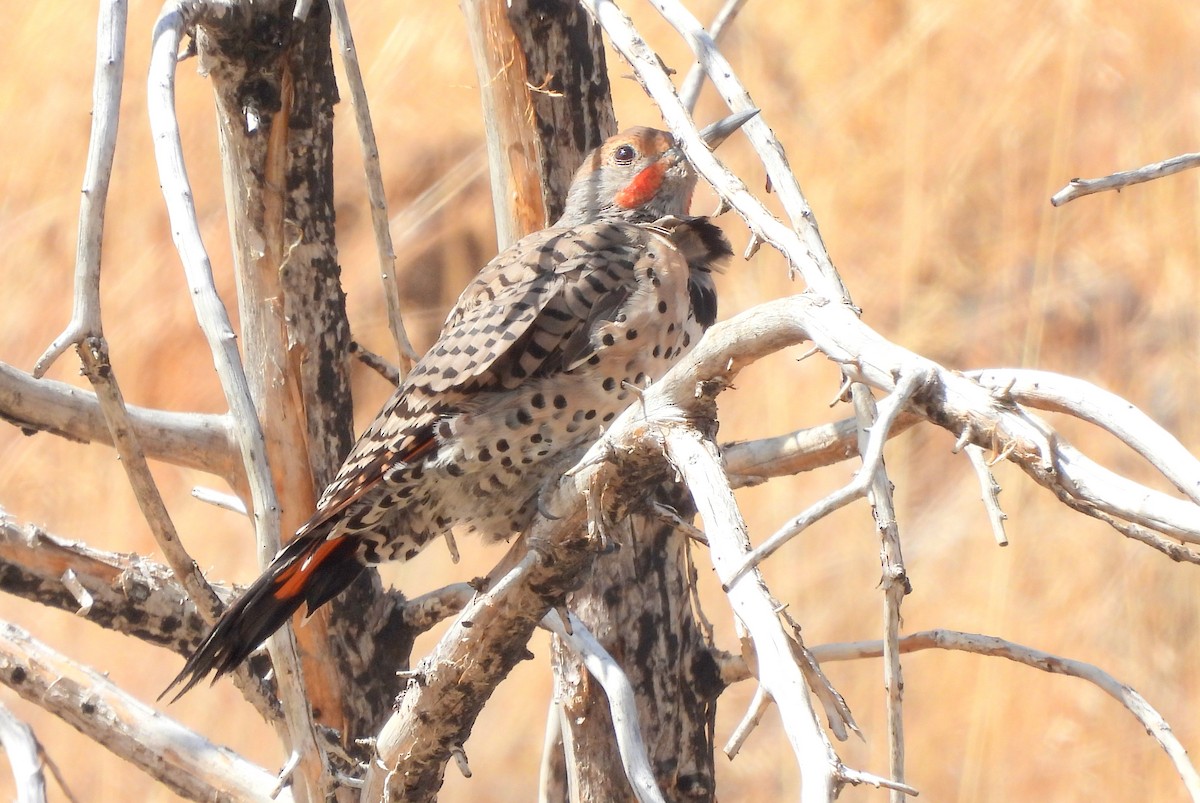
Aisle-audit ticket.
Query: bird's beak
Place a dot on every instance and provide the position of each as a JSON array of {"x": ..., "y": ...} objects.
[{"x": 713, "y": 135}]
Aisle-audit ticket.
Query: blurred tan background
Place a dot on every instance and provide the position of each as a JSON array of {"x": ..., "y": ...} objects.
[{"x": 928, "y": 137}]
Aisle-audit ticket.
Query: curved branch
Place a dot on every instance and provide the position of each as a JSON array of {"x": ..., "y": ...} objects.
[
  {"x": 175, "y": 18},
  {"x": 375, "y": 191},
  {"x": 622, "y": 704},
  {"x": 193, "y": 440},
  {"x": 1046, "y": 390},
  {"x": 1151, "y": 720}
]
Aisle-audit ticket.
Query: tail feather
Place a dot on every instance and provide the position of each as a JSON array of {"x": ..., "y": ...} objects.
[{"x": 311, "y": 569}]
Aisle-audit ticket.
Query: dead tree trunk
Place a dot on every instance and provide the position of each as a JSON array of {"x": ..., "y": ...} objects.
[{"x": 275, "y": 91}]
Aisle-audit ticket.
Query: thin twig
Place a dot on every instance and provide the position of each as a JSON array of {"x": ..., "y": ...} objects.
[
  {"x": 93, "y": 352},
  {"x": 894, "y": 578},
  {"x": 102, "y": 145},
  {"x": 1046, "y": 390},
  {"x": 1079, "y": 187},
  {"x": 375, "y": 191},
  {"x": 753, "y": 716},
  {"x": 689, "y": 91},
  {"x": 856, "y": 488},
  {"x": 376, "y": 363},
  {"x": 990, "y": 490}
]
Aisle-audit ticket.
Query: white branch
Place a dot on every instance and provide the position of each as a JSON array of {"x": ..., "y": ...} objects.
[
  {"x": 194, "y": 440},
  {"x": 778, "y": 674},
  {"x": 24, "y": 757},
  {"x": 989, "y": 490},
  {"x": 93, "y": 352},
  {"x": 753, "y": 716},
  {"x": 1079, "y": 187},
  {"x": 689, "y": 92},
  {"x": 375, "y": 191},
  {"x": 1065, "y": 394},
  {"x": 1151, "y": 720},
  {"x": 156, "y": 744},
  {"x": 622, "y": 704},
  {"x": 102, "y": 145},
  {"x": 857, "y": 487},
  {"x": 801, "y": 241}
]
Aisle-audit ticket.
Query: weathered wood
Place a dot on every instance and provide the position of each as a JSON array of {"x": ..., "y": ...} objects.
[
  {"x": 569, "y": 88},
  {"x": 635, "y": 600},
  {"x": 275, "y": 89}
]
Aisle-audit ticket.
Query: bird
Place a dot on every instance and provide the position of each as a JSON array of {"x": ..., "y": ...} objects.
[{"x": 543, "y": 349}]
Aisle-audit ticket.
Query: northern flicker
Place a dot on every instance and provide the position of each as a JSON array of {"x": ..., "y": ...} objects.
[{"x": 534, "y": 361}]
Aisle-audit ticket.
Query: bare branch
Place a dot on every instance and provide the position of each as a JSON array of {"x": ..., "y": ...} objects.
[
  {"x": 102, "y": 145},
  {"x": 129, "y": 594},
  {"x": 24, "y": 757},
  {"x": 425, "y": 611},
  {"x": 1065, "y": 394},
  {"x": 752, "y": 462},
  {"x": 621, "y": 700},
  {"x": 800, "y": 242},
  {"x": 1079, "y": 187},
  {"x": 778, "y": 674},
  {"x": 864, "y": 480},
  {"x": 376, "y": 363},
  {"x": 375, "y": 191},
  {"x": 193, "y": 440},
  {"x": 753, "y": 716},
  {"x": 990, "y": 490},
  {"x": 689, "y": 92},
  {"x": 94, "y": 354},
  {"x": 1137, "y": 705},
  {"x": 894, "y": 577},
  {"x": 180, "y": 758}
]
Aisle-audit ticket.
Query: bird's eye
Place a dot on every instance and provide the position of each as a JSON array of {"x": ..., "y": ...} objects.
[{"x": 625, "y": 154}]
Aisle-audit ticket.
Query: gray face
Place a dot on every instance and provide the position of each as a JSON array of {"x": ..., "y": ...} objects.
[{"x": 639, "y": 175}]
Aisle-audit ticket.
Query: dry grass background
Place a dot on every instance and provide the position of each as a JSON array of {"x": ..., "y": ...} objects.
[{"x": 928, "y": 137}]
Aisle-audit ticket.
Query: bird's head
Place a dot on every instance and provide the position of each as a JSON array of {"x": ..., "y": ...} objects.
[{"x": 640, "y": 175}]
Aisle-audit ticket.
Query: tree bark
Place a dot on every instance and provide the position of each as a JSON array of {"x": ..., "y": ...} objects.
[{"x": 275, "y": 90}]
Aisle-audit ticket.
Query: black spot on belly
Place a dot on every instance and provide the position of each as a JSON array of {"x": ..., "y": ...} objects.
[
  {"x": 538, "y": 401},
  {"x": 502, "y": 445},
  {"x": 560, "y": 402},
  {"x": 608, "y": 339},
  {"x": 609, "y": 383},
  {"x": 454, "y": 470},
  {"x": 524, "y": 416},
  {"x": 662, "y": 306}
]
